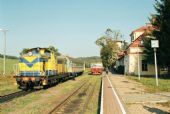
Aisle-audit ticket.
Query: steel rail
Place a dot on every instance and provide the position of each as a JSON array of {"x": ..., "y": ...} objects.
[{"x": 11, "y": 96}]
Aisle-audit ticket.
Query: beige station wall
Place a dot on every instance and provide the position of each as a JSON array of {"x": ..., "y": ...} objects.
[
  {"x": 131, "y": 62},
  {"x": 131, "y": 66}
]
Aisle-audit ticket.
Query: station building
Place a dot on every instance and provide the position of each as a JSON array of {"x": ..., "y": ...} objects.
[{"x": 134, "y": 54}]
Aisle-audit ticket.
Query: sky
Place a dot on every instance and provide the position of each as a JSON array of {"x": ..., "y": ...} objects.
[{"x": 72, "y": 26}]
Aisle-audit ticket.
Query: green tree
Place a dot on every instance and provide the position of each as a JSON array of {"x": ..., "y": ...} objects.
[
  {"x": 55, "y": 50},
  {"x": 25, "y": 50},
  {"x": 125, "y": 45},
  {"x": 149, "y": 53},
  {"x": 109, "y": 47},
  {"x": 161, "y": 22}
]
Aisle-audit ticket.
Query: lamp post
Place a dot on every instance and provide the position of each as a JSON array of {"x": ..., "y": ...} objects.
[
  {"x": 4, "y": 32},
  {"x": 155, "y": 44}
]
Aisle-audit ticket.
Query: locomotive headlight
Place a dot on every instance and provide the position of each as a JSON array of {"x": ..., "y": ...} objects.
[
  {"x": 30, "y": 53},
  {"x": 32, "y": 78},
  {"x": 25, "y": 79}
]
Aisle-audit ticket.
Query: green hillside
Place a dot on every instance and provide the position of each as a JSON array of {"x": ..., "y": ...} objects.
[
  {"x": 9, "y": 65},
  {"x": 90, "y": 59},
  {"x": 87, "y": 60}
]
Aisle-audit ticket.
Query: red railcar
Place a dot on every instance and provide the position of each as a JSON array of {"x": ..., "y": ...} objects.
[{"x": 96, "y": 69}]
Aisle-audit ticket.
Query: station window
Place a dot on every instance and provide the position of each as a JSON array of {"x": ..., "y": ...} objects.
[{"x": 144, "y": 65}]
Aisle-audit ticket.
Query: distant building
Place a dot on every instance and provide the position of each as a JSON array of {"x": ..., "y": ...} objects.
[{"x": 119, "y": 43}]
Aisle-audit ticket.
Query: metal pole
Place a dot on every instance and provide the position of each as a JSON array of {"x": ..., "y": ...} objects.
[
  {"x": 138, "y": 64},
  {"x": 4, "y": 68},
  {"x": 84, "y": 66},
  {"x": 156, "y": 69},
  {"x": 4, "y": 52}
]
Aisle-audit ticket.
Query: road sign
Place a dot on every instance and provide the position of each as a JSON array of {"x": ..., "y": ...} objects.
[{"x": 154, "y": 43}]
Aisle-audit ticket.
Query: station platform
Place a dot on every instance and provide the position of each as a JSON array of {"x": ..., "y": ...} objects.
[{"x": 111, "y": 103}]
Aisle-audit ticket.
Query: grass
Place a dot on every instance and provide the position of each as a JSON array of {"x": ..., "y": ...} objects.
[
  {"x": 7, "y": 85},
  {"x": 9, "y": 66},
  {"x": 93, "y": 106},
  {"x": 150, "y": 83}
]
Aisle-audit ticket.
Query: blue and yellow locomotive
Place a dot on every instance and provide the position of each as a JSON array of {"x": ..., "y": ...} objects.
[{"x": 40, "y": 67}]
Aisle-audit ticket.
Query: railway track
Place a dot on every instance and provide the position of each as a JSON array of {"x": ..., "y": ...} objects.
[
  {"x": 58, "y": 108},
  {"x": 89, "y": 97},
  {"x": 11, "y": 96},
  {"x": 80, "y": 97}
]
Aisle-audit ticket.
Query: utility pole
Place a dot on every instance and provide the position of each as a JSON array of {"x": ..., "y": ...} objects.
[{"x": 4, "y": 32}]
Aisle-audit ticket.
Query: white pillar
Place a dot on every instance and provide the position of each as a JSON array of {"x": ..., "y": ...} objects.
[
  {"x": 4, "y": 53},
  {"x": 138, "y": 63}
]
